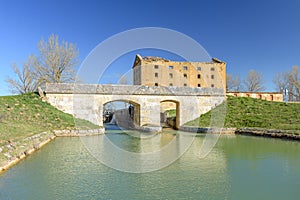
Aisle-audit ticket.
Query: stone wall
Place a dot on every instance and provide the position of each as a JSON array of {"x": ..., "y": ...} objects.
[{"x": 268, "y": 96}]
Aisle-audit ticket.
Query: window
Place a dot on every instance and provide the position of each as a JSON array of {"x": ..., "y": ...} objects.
[
  {"x": 171, "y": 67},
  {"x": 212, "y": 85},
  {"x": 170, "y": 75},
  {"x": 185, "y": 85},
  {"x": 199, "y": 85},
  {"x": 156, "y": 84},
  {"x": 212, "y": 76},
  {"x": 212, "y": 69},
  {"x": 198, "y": 68},
  {"x": 171, "y": 84},
  {"x": 199, "y": 76},
  {"x": 185, "y": 75},
  {"x": 185, "y": 68},
  {"x": 155, "y": 66},
  {"x": 156, "y": 75}
]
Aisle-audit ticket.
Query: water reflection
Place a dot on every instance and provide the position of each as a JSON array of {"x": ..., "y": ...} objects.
[{"x": 143, "y": 152}]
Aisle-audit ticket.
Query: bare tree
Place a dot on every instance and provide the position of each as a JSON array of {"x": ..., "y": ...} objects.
[
  {"x": 254, "y": 81},
  {"x": 281, "y": 81},
  {"x": 289, "y": 81},
  {"x": 294, "y": 83},
  {"x": 25, "y": 81},
  {"x": 233, "y": 83},
  {"x": 57, "y": 61}
]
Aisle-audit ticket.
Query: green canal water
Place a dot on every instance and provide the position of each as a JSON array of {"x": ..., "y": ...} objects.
[{"x": 238, "y": 167}]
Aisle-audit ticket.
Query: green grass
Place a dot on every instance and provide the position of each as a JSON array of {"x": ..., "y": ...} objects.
[
  {"x": 249, "y": 112},
  {"x": 171, "y": 113},
  {"x": 22, "y": 116},
  {"x": 25, "y": 120}
]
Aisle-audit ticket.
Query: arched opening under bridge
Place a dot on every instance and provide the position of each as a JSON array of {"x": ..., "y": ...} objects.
[
  {"x": 170, "y": 114},
  {"x": 123, "y": 113}
]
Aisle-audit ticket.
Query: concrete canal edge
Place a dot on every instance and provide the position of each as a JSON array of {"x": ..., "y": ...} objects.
[
  {"x": 56, "y": 133},
  {"x": 208, "y": 130},
  {"x": 273, "y": 133},
  {"x": 79, "y": 133},
  {"x": 282, "y": 134}
]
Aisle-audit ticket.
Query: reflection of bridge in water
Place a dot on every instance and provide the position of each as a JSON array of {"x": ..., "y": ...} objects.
[{"x": 86, "y": 101}]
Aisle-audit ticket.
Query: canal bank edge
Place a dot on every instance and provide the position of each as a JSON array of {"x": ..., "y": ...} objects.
[
  {"x": 282, "y": 134},
  {"x": 56, "y": 133}
]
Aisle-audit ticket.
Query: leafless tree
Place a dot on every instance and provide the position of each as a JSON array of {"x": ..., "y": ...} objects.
[
  {"x": 281, "y": 81},
  {"x": 57, "y": 61},
  {"x": 233, "y": 83},
  {"x": 294, "y": 83},
  {"x": 25, "y": 81},
  {"x": 254, "y": 81},
  {"x": 289, "y": 81}
]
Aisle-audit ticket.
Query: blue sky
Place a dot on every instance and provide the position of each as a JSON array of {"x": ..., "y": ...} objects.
[{"x": 259, "y": 35}]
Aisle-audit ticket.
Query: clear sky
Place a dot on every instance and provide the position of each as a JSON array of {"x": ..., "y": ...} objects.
[{"x": 259, "y": 34}]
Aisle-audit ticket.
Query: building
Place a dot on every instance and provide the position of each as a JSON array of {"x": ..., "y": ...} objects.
[
  {"x": 268, "y": 96},
  {"x": 156, "y": 71}
]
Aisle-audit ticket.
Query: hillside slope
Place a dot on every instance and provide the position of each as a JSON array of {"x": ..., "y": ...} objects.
[
  {"x": 25, "y": 115},
  {"x": 249, "y": 112}
]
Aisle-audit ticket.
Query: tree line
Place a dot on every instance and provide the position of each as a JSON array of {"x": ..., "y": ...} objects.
[
  {"x": 55, "y": 63},
  {"x": 287, "y": 82}
]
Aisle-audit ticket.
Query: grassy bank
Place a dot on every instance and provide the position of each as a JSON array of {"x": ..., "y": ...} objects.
[
  {"x": 22, "y": 117},
  {"x": 249, "y": 112}
]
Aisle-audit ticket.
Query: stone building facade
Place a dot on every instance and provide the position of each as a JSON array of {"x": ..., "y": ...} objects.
[
  {"x": 155, "y": 71},
  {"x": 268, "y": 96}
]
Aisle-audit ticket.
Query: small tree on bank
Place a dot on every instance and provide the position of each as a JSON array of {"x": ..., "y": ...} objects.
[
  {"x": 56, "y": 63},
  {"x": 25, "y": 81},
  {"x": 233, "y": 83},
  {"x": 254, "y": 82},
  {"x": 289, "y": 81}
]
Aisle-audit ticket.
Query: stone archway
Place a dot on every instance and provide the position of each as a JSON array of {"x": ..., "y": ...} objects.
[
  {"x": 126, "y": 116},
  {"x": 170, "y": 110}
]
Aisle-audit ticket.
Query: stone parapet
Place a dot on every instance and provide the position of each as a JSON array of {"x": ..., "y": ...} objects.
[{"x": 67, "y": 88}]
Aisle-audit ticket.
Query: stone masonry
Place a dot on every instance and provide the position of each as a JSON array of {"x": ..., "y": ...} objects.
[{"x": 86, "y": 101}]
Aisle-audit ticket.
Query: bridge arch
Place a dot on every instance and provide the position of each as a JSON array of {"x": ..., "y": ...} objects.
[
  {"x": 126, "y": 115},
  {"x": 171, "y": 104}
]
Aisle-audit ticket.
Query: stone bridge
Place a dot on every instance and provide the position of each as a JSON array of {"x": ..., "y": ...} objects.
[{"x": 86, "y": 101}]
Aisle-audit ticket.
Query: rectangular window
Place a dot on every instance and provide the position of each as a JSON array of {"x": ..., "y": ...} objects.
[
  {"x": 156, "y": 75},
  {"x": 212, "y": 76},
  {"x": 199, "y": 76},
  {"x": 171, "y": 67},
  {"x": 212, "y": 69},
  {"x": 185, "y": 85},
  {"x": 185, "y": 68},
  {"x": 198, "y": 68},
  {"x": 185, "y": 75},
  {"x": 155, "y": 66},
  {"x": 212, "y": 85},
  {"x": 170, "y": 75},
  {"x": 199, "y": 85},
  {"x": 171, "y": 84},
  {"x": 156, "y": 84}
]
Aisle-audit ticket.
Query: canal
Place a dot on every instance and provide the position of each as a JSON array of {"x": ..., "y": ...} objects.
[{"x": 238, "y": 167}]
